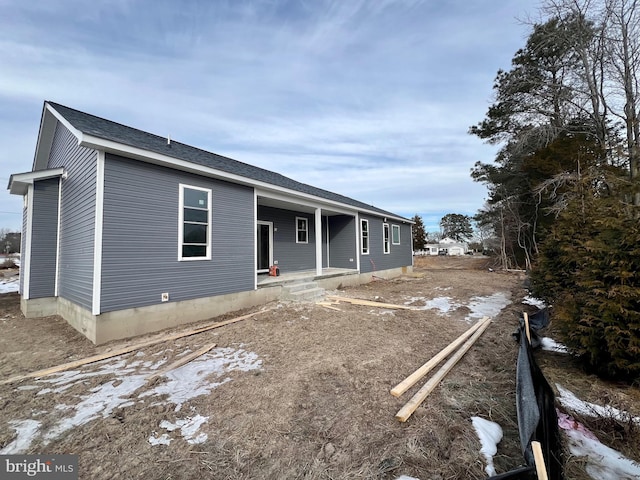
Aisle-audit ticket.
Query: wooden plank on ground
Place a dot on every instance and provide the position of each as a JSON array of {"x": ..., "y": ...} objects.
[
  {"x": 407, "y": 410},
  {"x": 538, "y": 457},
  {"x": 411, "y": 380},
  {"x": 328, "y": 305},
  {"x": 182, "y": 361},
  {"x": 368, "y": 303},
  {"x": 122, "y": 351}
]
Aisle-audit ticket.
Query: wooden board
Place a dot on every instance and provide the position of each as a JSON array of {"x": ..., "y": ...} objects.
[
  {"x": 182, "y": 361},
  {"x": 411, "y": 380},
  {"x": 122, "y": 351},
  {"x": 368, "y": 303},
  {"x": 407, "y": 410},
  {"x": 538, "y": 457}
]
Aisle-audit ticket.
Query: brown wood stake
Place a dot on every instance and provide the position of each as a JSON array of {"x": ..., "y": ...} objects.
[
  {"x": 368, "y": 303},
  {"x": 526, "y": 327},
  {"x": 122, "y": 351},
  {"x": 182, "y": 361},
  {"x": 538, "y": 457},
  {"x": 405, "y": 412},
  {"x": 411, "y": 380}
]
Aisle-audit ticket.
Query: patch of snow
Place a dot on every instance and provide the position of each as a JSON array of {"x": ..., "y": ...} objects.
[
  {"x": 10, "y": 285},
  {"x": 536, "y": 302},
  {"x": 26, "y": 431},
  {"x": 551, "y": 345},
  {"x": 603, "y": 463},
  {"x": 487, "y": 306},
  {"x": 103, "y": 400},
  {"x": 442, "y": 304},
  {"x": 184, "y": 383},
  {"x": 163, "y": 439},
  {"x": 490, "y": 434},
  {"x": 378, "y": 311},
  {"x": 192, "y": 380},
  {"x": 406, "y": 477},
  {"x": 571, "y": 402},
  {"x": 188, "y": 428}
]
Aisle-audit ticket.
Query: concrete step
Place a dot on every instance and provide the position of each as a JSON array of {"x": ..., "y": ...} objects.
[
  {"x": 298, "y": 286},
  {"x": 309, "y": 295},
  {"x": 302, "y": 292}
]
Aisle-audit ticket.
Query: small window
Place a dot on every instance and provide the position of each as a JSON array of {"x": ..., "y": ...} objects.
[
  {"x": 302, "y": 230},
  {"x": 385, "y": 238},
  {"x": 194, "y": 236},
  {"x": 395, "y": 234},
  {"x": 364, "y": 236}
]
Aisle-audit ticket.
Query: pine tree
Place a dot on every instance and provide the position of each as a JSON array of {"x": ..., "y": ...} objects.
[{"x": 419, "y": 235}]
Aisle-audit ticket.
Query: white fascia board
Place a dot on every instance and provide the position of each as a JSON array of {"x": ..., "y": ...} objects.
[
  {"x": 76, "y": 133},
  {"x": 19, "y": 182},
  {"x": 305, "y": 201},
  {"x": 50, "y": 118},
  {"x": 266, "y": 189}
]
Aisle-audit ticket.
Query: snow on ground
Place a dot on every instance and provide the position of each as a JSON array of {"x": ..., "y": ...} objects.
[
  {"x": 188, "y": 429},
  {"x": 488, "y": 306},
  {"x": 536, "y": 302},
  {"x": 551, "y": 345},
  {"x": 9, "y": 285},
  {"x": 124, "y": 386},
  {"x": 602, "y": 462},
  {"x": 490, "y": 434},
  {"x": 25, "y": 431},
  {"x": 571, "y": 402}
]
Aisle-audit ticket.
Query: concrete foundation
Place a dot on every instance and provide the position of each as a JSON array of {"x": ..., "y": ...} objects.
[{"x": 138, "y": 321}]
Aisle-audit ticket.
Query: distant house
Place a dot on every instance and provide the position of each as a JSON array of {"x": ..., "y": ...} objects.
[
  {"x": 446, "y": 246},
  {"x": 126, "y": 232}
]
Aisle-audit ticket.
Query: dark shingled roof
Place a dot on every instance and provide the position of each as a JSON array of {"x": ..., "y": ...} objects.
[{"x": 108, "y": 130}]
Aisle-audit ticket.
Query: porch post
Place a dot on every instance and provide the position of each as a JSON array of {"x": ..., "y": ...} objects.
[{"x": 318, "y": 223}]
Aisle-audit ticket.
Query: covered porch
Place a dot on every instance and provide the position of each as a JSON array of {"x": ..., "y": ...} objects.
[{"x": 304, "y": 240}]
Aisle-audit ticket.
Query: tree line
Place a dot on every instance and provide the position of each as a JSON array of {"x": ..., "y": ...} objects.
[
  {"x": 9, "y": 241},
  {"x": 564, "y": 193}
]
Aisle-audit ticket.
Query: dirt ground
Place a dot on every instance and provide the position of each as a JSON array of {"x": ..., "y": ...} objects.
[{"x": 308, "y": 396}]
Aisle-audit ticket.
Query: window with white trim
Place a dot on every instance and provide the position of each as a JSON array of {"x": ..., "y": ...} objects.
[
  {"x": 302, "y": 230},
  {"x": 385, "y": 238},
  {"x": 395, "y": 234},
  {"x": 194, "y": 229},
  {"x": 364, "y": 237}
]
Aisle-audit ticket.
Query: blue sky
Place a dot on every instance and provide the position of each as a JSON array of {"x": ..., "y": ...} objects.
[{"x": 369, "y": 99}]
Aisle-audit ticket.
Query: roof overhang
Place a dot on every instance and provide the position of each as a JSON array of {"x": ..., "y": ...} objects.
[
  {"x": 19, "y": 182},
  {"x": 51, "y": 116}
]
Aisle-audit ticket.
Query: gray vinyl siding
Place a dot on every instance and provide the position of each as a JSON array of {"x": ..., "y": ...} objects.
[
  {"x": 291, "y": 256},
  {"x": 377, "y": 260},
  {"x": 325, "y": 238},
  {"x": 342, "y": 244},
  {"x": 140, "y": 237},
  {"x": 77, "y": 216},
  {"x": 44, "y": 232}
]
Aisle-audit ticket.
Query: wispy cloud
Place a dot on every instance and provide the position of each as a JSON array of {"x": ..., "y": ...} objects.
[{"x": 369, "y": 99}]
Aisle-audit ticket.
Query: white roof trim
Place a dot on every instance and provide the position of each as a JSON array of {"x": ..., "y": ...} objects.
[
  {"x": 97, "y": 143},
  {"x": 19, "y": 182},
  {"x": 137, "y": 153}
]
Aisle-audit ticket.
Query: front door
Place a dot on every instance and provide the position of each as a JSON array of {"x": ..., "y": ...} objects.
[{"x": 264, "y": 241}]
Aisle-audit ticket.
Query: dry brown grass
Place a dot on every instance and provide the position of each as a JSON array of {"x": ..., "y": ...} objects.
[{"x": 320, "y": 407}]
